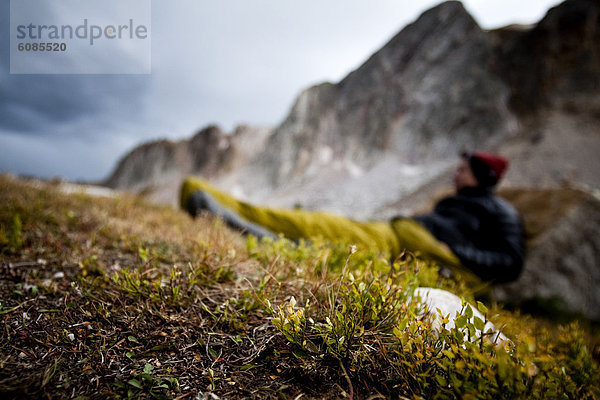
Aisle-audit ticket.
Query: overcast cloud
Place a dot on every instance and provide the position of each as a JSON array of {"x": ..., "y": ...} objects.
[{"x": 224, "y": 62}]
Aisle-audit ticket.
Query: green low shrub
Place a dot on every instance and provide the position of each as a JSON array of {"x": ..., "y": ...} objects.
[{"x": 366, "y": 322}]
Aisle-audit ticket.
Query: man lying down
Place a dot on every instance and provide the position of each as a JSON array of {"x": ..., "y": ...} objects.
[{"x": 473, "y": 233}]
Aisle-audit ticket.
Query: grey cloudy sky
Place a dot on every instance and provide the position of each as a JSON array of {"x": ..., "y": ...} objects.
[{"x": 213, "y": 62}]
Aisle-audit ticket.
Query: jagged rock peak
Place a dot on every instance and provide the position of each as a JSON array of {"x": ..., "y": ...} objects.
[
  {"x": 420, "y": 36},
  {"x": 428, "y": 92}
]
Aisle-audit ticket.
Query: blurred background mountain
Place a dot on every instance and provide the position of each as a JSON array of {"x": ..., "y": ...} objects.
[{"x": 387, "y": 135}]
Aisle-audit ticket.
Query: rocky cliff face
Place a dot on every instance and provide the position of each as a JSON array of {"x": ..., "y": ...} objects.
[
  {"x": 553, "y": 71},
  {"x": 416, "y": 102},
  {"x": 428, "y": 92},
  {"x": 555, "y": 63},
  {"x": 393, "y": 126}
]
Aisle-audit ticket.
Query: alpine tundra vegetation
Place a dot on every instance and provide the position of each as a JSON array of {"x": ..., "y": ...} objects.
[{"x": 113, "y": 297}]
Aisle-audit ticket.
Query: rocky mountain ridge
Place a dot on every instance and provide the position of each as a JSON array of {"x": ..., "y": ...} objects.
[
  {"x": 394, "y": 125},
  {"x": 157, "y": 168}
]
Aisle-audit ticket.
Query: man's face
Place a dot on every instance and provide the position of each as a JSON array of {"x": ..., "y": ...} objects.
[{"x": 463, "y": 176}]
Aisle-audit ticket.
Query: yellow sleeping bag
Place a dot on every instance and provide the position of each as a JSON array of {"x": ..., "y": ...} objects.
[{"x": 386, "y": 237}]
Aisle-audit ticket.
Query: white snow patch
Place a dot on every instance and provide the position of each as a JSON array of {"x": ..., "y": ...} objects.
[
  {"x": 325, "y": 155},
  {"x": 92, "y": 190},
  {"x": 238, "y": 192},
  {"x": 354, "y": 170},
  {"x": 357, "y": 192},
  {"x": 411, "y": 170}
]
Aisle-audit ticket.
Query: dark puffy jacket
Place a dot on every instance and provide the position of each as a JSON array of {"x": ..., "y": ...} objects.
[{"x": 484, "y": 231}]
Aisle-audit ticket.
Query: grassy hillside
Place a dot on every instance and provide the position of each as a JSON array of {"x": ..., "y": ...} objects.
[{"x": 118, "y": 298}]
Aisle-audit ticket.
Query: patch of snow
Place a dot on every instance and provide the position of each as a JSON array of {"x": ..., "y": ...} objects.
[
  {"x": 92, "y": 190},
  {"x": 238, "y": 192},
  {"x": 325, "y": 155},
  {"x": 411, "y": 170},
  {"x": 354, "y": 170},
  {"x": 356, "y": 192}
]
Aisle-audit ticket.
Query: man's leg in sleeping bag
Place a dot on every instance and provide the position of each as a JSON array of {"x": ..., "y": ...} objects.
[
  {"x": 197, "y": 194},
  {"x": 202, "y": 201}
]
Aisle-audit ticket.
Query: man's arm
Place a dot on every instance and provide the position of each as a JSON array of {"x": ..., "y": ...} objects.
[{"x": 504, "y": 261}]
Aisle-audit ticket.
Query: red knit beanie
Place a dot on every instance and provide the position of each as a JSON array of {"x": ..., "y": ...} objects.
[{"x": 488, "y": 168}]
